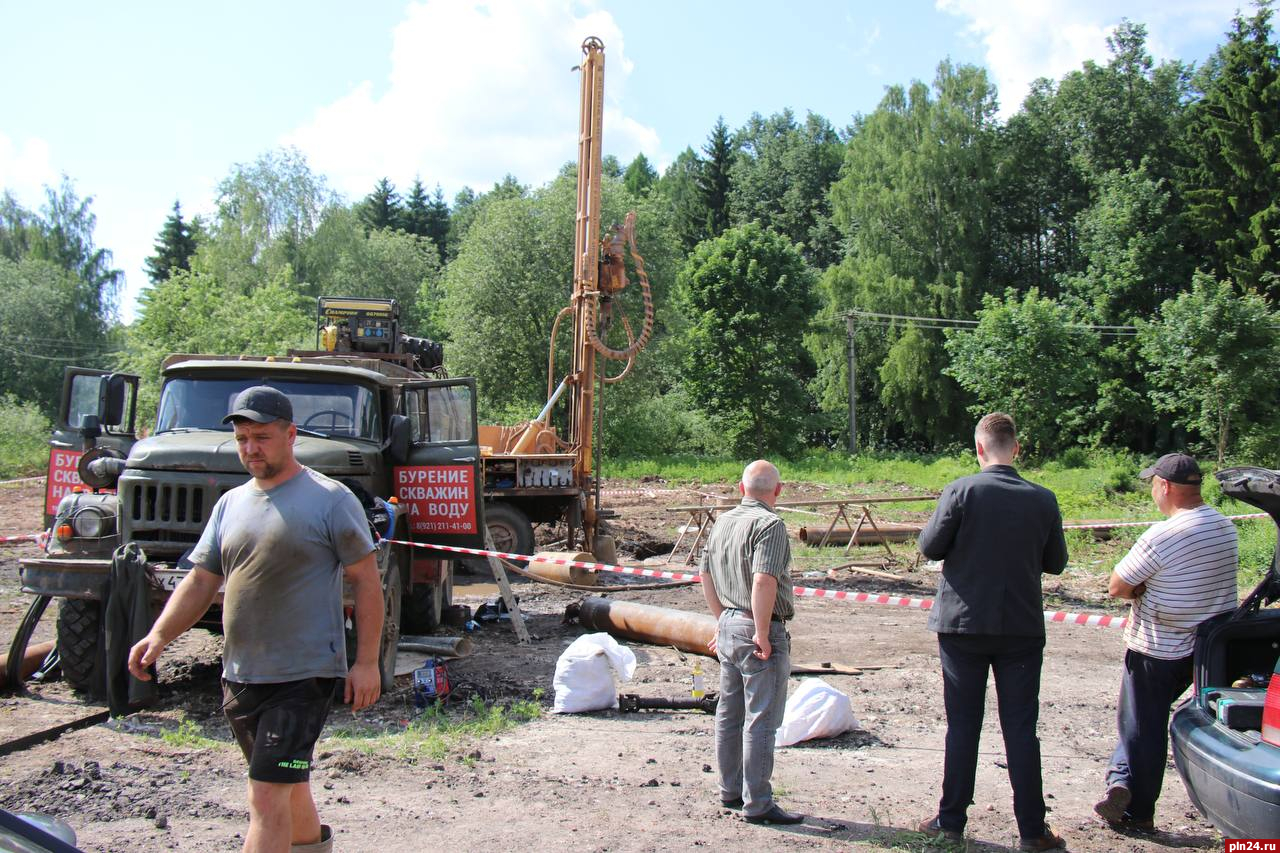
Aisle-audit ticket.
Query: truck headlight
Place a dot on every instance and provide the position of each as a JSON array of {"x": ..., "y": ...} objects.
[{"x": 92, "y": 523}]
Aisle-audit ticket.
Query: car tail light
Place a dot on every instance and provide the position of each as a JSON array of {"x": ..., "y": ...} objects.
[{"x": 1271, "y": 713}]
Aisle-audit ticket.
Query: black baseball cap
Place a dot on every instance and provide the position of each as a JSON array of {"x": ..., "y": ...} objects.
[
  {"x": 1176, "y": 468},
  {"x": 261, "y": 404}
]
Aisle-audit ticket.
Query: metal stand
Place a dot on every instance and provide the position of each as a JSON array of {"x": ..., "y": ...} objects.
[{"x": 504, "y": 586}]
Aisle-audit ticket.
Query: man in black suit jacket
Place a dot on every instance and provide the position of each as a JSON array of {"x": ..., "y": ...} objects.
[{"x": 996, "y": 534}]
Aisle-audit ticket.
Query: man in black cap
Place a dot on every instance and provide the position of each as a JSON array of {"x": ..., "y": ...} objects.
[
  {"x": 283, "y": 543},
  {"x": 1179, "y": 573}
]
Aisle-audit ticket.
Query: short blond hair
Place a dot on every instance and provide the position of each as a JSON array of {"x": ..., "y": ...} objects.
[{"x": 997, "y": 432}]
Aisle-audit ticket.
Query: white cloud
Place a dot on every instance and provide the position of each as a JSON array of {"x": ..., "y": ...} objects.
[
  {"x": 25, "y": 169},
  {"x": 476, "y": 90},
  {"x": 1024, "y": 41}
]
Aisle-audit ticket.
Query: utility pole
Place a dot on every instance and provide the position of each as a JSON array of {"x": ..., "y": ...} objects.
[{"x": 851, "y": 322}]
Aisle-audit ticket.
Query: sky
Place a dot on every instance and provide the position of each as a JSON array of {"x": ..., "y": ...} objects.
[{"x": 148, "y": 102}]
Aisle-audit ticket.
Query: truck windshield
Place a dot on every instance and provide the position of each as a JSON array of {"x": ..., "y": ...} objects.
[{"x": 342, "y": 411}]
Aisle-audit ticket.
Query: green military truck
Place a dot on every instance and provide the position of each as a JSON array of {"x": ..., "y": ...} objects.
[{"x": 371, "y": 411}]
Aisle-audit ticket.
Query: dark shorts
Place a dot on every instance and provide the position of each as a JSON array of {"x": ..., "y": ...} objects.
[{"x": 277, "y": 725}]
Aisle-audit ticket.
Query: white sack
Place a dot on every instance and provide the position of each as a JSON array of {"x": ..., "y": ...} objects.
[
  {"x": 584, "y": 674},
  {"x": 815, "y": 710}
]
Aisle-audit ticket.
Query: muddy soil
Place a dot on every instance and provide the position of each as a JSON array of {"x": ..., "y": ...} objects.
[{"x": 171, "y": 779}]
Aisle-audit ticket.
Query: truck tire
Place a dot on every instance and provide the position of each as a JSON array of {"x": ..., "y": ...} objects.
[
  {"x": 392, "y": 594},
  {"x": 424, "y": 605},
  {"x": 79, "y": 623},
  {"x": 510, "y": 528}
]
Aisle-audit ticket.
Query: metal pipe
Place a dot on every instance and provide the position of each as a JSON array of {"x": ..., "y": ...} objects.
[
  {"x": 451, "y": 647},
  {"x": 563, "y": 574},
  {"x": 688, "y": 632}
]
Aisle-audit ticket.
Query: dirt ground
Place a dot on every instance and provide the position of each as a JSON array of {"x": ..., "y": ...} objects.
[{"x": 603, "y": 781}]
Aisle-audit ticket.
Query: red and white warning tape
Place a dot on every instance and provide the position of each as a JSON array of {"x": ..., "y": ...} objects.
[
  {"x": 1107, "y": 525},
  {"x": 30, "y": 537},
  {"x": 1090, "y": 619}
]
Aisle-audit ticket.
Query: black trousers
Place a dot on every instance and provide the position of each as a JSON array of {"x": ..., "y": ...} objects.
[
  {"x": 1016, "y": 661},
  {"x": 1149, "y": 687}
]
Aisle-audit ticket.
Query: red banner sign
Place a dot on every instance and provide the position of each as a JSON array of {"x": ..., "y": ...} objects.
[
  {"x": 439, "y": 499},
  {"x": 63, "y": 477}
]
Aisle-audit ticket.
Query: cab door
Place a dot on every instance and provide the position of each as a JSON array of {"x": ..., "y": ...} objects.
[
  {"x": 439, "y": 488},
  {"x": 98, "y": 409}
]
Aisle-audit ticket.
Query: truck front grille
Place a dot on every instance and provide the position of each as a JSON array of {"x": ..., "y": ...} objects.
[{"x": 166, "y": 518}]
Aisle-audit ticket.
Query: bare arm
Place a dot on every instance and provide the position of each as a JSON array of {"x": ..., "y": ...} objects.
[
  {"x": 1118, "y": 587},
  {"x": 364, "y": 684},
  {"x": 764, "y": 590},
  {"x": 713, "y": 602},
  {"x": 190, "y": 601}
]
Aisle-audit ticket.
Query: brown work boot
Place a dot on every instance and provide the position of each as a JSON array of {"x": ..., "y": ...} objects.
[
  {"x": 930, "y": 827},
  {"x": 1048, "y": 841},
  {"x": 1112, "y": 807},
  {"x": 324, "y": 845}
]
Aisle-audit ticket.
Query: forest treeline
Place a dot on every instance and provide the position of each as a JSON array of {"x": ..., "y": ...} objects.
[{"x": 1104, "y": 264}]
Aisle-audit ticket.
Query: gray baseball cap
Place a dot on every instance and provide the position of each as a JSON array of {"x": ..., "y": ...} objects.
[{"x": 261, "y": 404}]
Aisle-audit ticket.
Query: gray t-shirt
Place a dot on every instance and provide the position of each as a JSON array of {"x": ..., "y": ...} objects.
[{"x": 282, "y": 552}]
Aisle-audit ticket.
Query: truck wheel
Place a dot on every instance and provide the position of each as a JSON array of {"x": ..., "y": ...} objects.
[
  {"x": 78, "y": 628},
  {"x": 424, "y": 605},
  {"x": 392, "y": 594},
  {"x": 510, "y": 529}
]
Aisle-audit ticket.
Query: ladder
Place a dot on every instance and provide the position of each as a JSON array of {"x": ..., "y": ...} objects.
[{"x": 504, "y": 586}]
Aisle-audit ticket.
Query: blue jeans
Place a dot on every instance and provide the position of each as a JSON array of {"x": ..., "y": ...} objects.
[
  {"x": 753, "y": 697},
  {"x": 1149, "y": 688}
]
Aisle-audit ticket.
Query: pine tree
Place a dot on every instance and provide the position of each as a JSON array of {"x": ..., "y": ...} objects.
[
  {"x": 639, "y": 176},
  {"x": 437, "y": 221},
  {"x": 417, "y": 210},
  {"x": 381, "y": 208},
  {"x": 714, "y": 181},
  {"x": 175, "y": 246}
]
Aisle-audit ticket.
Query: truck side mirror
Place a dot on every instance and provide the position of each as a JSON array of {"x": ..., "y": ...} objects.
[
  {"x": 114, "y": 400},
  {"x": 399, "y": 442},
  {"x": 90, "y": 426}
]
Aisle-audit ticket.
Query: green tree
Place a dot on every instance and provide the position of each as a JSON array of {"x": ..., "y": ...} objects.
[
  {"x": 749, "y": 295},
  {"x": 38, "y": 312},
  {"x": 416, "y": 209},
  {"x": 438, "y": 222},
  {"x": 382, "y": 208},
  {"x": 1028, "y": 357},
  {"x": 688, "y": 208},
  {"x": 640, "y": 175},
  {"x": 1233, "y": 142},
  {"x": 467, "y": 206},
  {"x": 914, "y": 205},
  {"x": 780, "y": 178},
  {"x": 714, "y": 179},
  {"x": 1212, "y": 356},
  {"x": 267, "y": 211},
  {"x": 174, "y": 247}
]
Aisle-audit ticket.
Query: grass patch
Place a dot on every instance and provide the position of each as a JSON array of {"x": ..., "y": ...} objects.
[
  {"x": 438, "y": 731},
  {"x": 188, "y": 735}
]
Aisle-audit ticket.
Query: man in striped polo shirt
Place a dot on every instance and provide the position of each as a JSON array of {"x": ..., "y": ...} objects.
[
  {"x": 1179, "y": 573},
  {"x": 747, "y": 583}
]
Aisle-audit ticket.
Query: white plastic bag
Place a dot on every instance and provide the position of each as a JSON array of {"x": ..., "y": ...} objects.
[
  {"x": 815, "y": 710},
  {"x": 584, "y": 674}
]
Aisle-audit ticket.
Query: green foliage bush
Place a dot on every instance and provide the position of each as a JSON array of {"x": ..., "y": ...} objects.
[{"x": 24, "y": 438}]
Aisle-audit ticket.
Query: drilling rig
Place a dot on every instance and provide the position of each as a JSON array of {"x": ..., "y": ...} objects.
[{"x": 527, "y": 453}]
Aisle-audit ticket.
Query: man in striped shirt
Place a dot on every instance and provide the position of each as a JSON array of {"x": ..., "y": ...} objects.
[
  {"x": 1179, "y": 573},
  {"x": 747, "y": 583}
]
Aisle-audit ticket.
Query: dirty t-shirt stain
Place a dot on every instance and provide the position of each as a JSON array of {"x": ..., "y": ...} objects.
[{"x": 282, "y": 552}]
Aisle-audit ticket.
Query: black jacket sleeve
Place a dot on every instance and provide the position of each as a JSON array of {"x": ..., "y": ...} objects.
[{"x": 940, "y": 533}]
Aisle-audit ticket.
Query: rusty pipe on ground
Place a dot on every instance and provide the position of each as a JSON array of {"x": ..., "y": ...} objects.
[
  {"x": 688, "y": 632},
  {"x": 32, "y": 657},
  {"x": 445, "y": 647}
]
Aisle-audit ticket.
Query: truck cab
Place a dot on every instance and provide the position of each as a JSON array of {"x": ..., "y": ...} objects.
[{"x": 406, "y": 445}]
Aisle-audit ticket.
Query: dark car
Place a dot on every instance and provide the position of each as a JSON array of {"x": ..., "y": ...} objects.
[{"x": 1226, "y": 736}]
